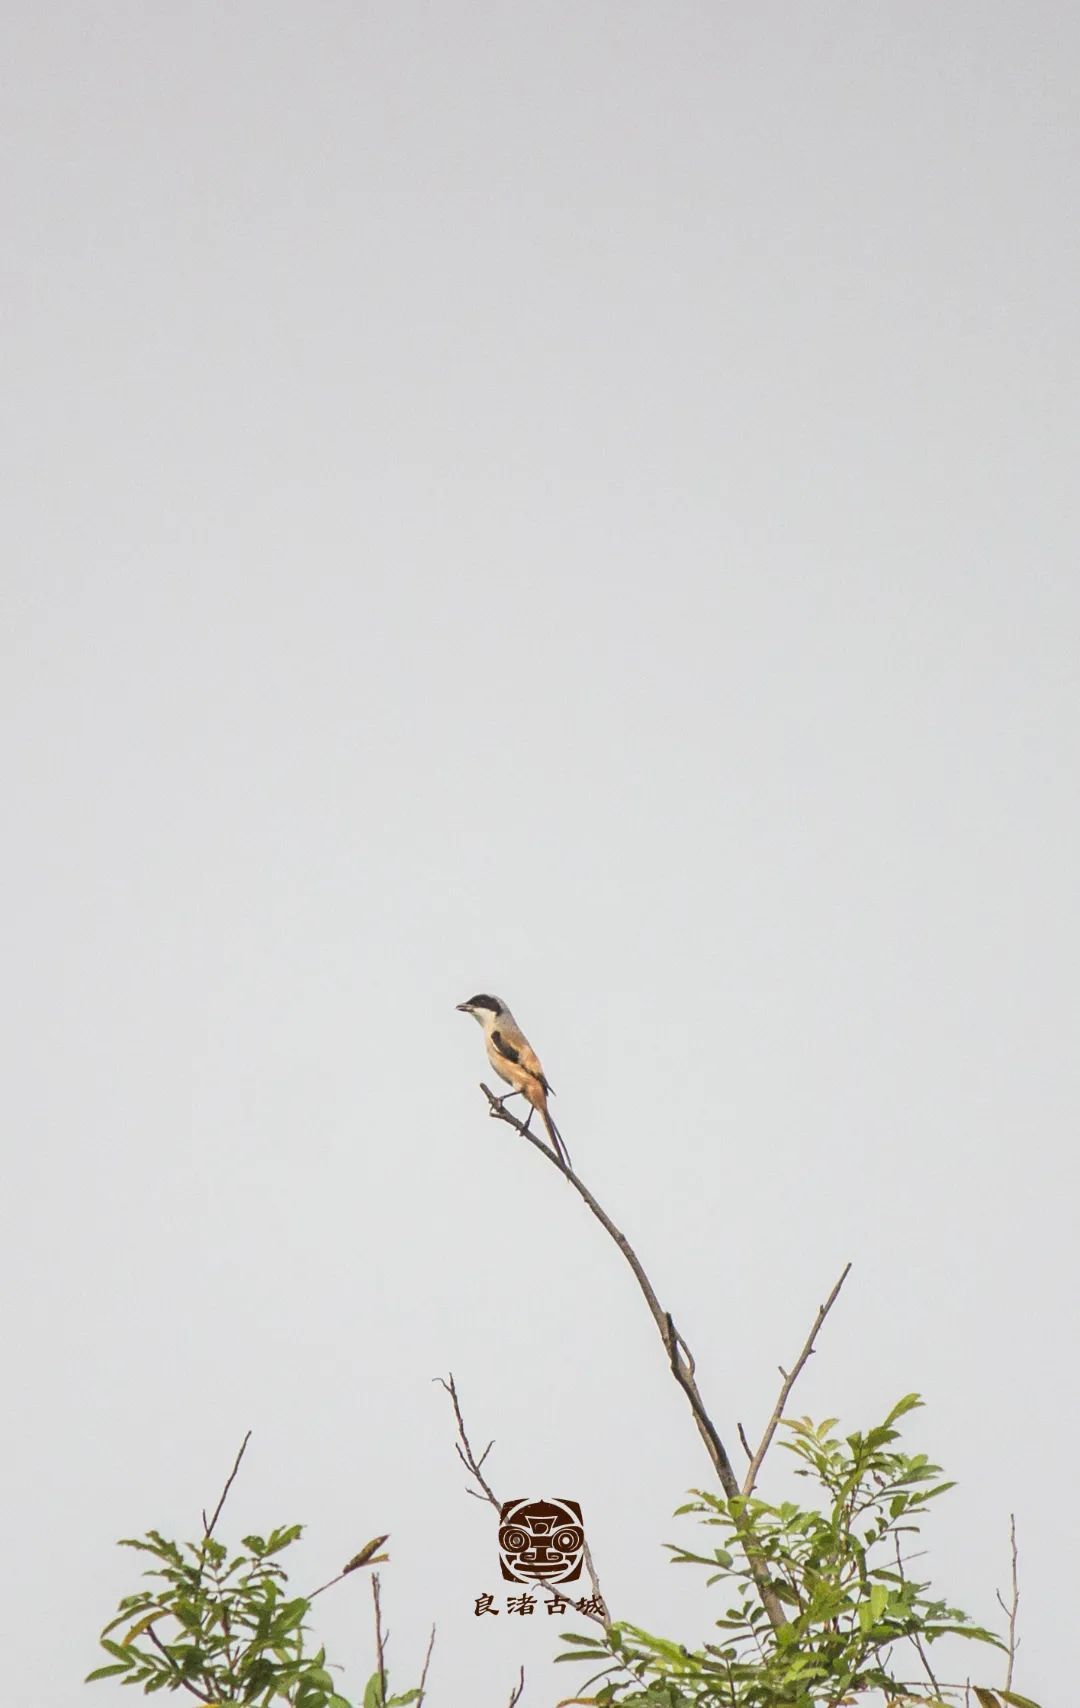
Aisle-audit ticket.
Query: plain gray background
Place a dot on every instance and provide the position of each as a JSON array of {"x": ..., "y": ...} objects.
[{"x": 577, "y": 500}]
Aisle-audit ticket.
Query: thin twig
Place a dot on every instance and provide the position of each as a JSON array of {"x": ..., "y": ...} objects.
[
  {"x": 369, "y": 1555},
  {"x": 681, "y": 1362},
  {"x": 329, "y": 1584},
  {"x": 1010, "y": 1610},
  {"x": 682, "y": 1368},
  {"x": 427, "y": 1663},
  {"x": 473, "y": 1464},
  {"x": 463, "y": 1447},
  {"x": 914, "y": 1636},
  {"x": 208, "y": 1529},
  {"x": 745, "y": 1444},
  {"x": 789, "y": 1382},
  {"x": 590, "y": 1567},
  {"x": 516, "y": 1693},
  {"x": 380, "y": 1640},
  {"x": 186, "y": 1682},
  {"x": 926, "y": 1664},
  {"x": 909, "y": 1685},
  {"x": 678, "y": 1353}
]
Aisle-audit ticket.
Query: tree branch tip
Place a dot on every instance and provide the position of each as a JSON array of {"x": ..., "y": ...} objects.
[{"x": 208, "y": 1529}]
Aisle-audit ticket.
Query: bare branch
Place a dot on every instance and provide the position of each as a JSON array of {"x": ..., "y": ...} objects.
[
  {"x": 516, "y": 1693},
  {"x": 208, "y": 1529},
  {"x": 927, "y": 1668},
  {"x": 423, "y": 1675},
  {"x": 914, "y": 1638},
  {"x": 369, "y": 1555},
  {"x": 472, "y": 1465},
  {"x": 680, "y": 1359},
  {"x": 598, "y": 1593},
  {"x": 745, "y": 1443},
  {"x": 464, "y": 1450},
  {"x": 1014, "y": 1603},
  {"x": 789, "y": 1382},
  {"x": 380, "y": 1637},
  {"x": 329, "y": 1584}
]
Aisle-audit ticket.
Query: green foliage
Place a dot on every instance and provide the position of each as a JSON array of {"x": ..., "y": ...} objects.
[
  {"x": 222, "y": 1627},
  {"x": 995, "y": 1698},
  {"x": 839, "y": 1570}
]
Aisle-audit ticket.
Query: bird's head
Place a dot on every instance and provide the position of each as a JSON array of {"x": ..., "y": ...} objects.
[{"x": 484, "y": 1009}]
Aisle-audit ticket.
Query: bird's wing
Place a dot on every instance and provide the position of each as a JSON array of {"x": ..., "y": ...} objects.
[{"x": 523, "y": 1054}]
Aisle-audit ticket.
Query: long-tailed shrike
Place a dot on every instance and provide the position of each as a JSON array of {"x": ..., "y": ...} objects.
[{"x": 516, "y": 1062}]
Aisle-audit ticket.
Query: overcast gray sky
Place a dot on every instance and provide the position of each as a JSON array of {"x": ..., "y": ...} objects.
[{"x": 580, "y": 501}]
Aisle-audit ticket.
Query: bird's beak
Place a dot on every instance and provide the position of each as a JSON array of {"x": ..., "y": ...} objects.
[{"x": 462, "y": 1007}]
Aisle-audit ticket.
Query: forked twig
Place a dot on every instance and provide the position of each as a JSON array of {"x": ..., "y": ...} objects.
[
  {"x": 463, "y": 1447},
  {"x": 789, "y": 1382},
  {"x": 516, "y": 1693},
  {"x": 472, "y": 1465}
]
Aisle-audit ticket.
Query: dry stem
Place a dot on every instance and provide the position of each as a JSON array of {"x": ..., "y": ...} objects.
[
  {"x": 427, "y": 1663},
  {"x": 789, "y": 1383},
  {"x": 1010, "y": 1610},
  {"x": 208, "y": 1529},
  {"x": 380, "y": 1636},
  {"x": 682, "y": 1366},
  {"x": 473, "y": 1466}
]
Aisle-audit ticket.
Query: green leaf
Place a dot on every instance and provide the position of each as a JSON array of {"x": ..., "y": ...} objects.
[
  {"x": 1017, "y": 1701},
  {"x": 283, "y": 1537},
  {"x": 108, "y": 1671},
  {"x": 985, "y": 1698},
  {"x": 116, "y": 1649},
  {"x": 289, "y": 1615},
  {"x": 910, "y": 1402},
  {"x": 373, "y": 1696}
]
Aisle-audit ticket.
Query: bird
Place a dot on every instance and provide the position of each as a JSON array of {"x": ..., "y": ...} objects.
[{"x": 516, "y": 1062}]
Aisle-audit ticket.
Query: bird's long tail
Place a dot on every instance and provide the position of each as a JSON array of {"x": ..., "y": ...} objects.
[{"x": 557, "y": 1142}]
